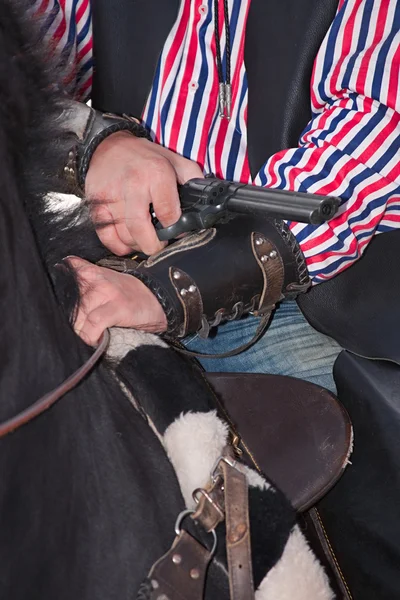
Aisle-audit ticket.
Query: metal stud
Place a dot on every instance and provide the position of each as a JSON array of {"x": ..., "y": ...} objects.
[
  {"x": 194, "y": 573},
  {"x": 264, "y": 258},
  {"x": 273, "y": 254},
  {"x": 183, "y": 292},
  {"x": 162, "y": 597},
  {"x": 192, "y": 288},
  {"x": 177, "y": 559},
  {"x": 155, "y": 584},
  {"x": 259, "y": 241},
  {"x": 176, "y": 275}
]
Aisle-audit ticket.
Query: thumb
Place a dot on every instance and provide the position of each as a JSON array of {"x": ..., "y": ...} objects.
[{"x": 76, "y": 262}]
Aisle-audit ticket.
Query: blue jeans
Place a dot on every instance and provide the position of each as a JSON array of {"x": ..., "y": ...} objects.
[{"x": 290, "y": 346}]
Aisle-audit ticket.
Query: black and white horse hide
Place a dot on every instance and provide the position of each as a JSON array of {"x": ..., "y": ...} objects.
[
  {"x": 180, "y": 408},
  {"x": 162, "y": 385}
]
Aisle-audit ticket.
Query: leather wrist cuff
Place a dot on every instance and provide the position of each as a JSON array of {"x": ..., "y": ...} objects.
[
  {"x": 86, "y": 128},
  {"x": 206, "y": 278}
]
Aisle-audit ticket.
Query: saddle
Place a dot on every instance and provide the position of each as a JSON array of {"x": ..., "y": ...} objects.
[{"x": 293, "y": 431}]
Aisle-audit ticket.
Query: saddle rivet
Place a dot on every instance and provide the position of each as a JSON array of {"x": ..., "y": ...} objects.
[
  {"x": 259, "y": 241},
  {"x": 183, "y": 292},
  {"x": 155, "y": 584},
  {"x": 264, "y": 258},
  {"x": 71, "y": 154},
  {"x": 273, "y": 254},
  {"x": 176, "y": 275},
  {"x": 192, "y": 288},
  {"x": 162, "y": 597},
  {"x": 177, "y": 559},
  {"x": 194, "y": 573}
]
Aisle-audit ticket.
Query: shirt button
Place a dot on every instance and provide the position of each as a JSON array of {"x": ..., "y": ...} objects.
[
  {"x": 203, "y": 9},
  {"x": 193, "y": 86}
]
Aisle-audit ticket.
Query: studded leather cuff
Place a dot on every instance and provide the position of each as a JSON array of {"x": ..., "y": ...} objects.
[
  {"x": 244, "y": 266},
  {"x": 85, "y": 129}
]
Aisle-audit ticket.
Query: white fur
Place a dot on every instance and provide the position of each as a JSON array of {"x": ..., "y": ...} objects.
[
  {"x": 297, "y": 575},
  {"x": 194, "y": 442},
  {"x": 254, "y": 479},
  {"x": 62, "y": 202},
  {"x": 351, "y": 446},
  {"x": 123, "y": 340}
]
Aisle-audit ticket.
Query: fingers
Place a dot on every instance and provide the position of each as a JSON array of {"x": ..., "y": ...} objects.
[
  {"x": 88, "y": 276},
  {"x": 186, "y": 169},
  {"x": 165, "y": 199},
  {"x": 158, "y": 188},
  {"x": 110, "y": 235},
  {"x": 109, "y": 299},
  {"x": 110, "y": 315},
  {"x": 137, "y": 225},
  {"x": 132, "y": 227},
  {"x": 90, "y": 325},
  {"x": 130, "y": 174}
]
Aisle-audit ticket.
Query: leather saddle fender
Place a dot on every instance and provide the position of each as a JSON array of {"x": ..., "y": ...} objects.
[{"x": 295, "y": 432}]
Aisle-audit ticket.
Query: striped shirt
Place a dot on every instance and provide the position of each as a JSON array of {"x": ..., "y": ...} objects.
[{"x": 349, "y": 149}]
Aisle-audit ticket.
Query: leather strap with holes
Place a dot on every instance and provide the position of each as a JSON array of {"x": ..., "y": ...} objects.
[{"x": 238, "y": 546}]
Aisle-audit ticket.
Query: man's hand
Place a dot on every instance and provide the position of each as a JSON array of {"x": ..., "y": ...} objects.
[
  {"x": 109, "y": 298},
  {"x": 128, "y": 174}
]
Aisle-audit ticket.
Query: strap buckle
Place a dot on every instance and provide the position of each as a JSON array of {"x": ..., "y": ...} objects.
[
  {"x": 178, "y": 528},
  {"x": 215, "y": 472}
]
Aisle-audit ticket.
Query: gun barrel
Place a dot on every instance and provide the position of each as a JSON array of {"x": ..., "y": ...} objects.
[
  {"x": 292, "y": 206},
  {"x": 204, "y": 202}
]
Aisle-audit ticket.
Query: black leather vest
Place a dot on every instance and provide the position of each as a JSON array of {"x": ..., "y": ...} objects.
[{"x": 282, "y": 39}]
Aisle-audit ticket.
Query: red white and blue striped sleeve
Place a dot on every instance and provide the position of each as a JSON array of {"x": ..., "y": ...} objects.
[
  {"x": 351, "y": 147},
  {"x": 67, "y": 27}
]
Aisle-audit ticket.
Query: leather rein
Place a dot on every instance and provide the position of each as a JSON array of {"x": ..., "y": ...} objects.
[{"x": 46, "y": 401}]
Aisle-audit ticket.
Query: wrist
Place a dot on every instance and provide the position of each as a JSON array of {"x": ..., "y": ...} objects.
[
  {"x": 86, "y": 129},
  {"x": 119, "y": 138},
  {"x": 103, "y": 127},
  {"x": 154, "y": 309}
]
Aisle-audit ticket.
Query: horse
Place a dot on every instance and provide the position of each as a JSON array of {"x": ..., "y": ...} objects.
[{"x": 91, "y": 488}]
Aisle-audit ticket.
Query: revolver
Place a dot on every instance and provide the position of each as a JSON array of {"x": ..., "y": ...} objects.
[{"x": 207, "y": 201}]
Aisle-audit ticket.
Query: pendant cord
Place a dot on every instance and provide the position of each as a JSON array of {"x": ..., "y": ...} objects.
[
  {"x": 228, "y": 42},
  {"x": 224, "y": 82}
]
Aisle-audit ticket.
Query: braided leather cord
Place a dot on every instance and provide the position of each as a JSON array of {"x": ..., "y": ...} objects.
[
  {"x": 121, "y": 124},
  {"x": 162, "y": 297},
  {"x": 145, "y": 590},
  {"x": 291, "y": 241}
]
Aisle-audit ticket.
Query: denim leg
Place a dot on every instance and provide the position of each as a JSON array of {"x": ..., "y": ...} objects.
[{"x": 290, "y": 346}]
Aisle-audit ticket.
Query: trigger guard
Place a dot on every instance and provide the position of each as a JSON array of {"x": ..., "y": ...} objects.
[
  {"x": 168, "y": 233},
  {"x": 194, "y": 219},
  {"x": 188, "y": 221}
]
